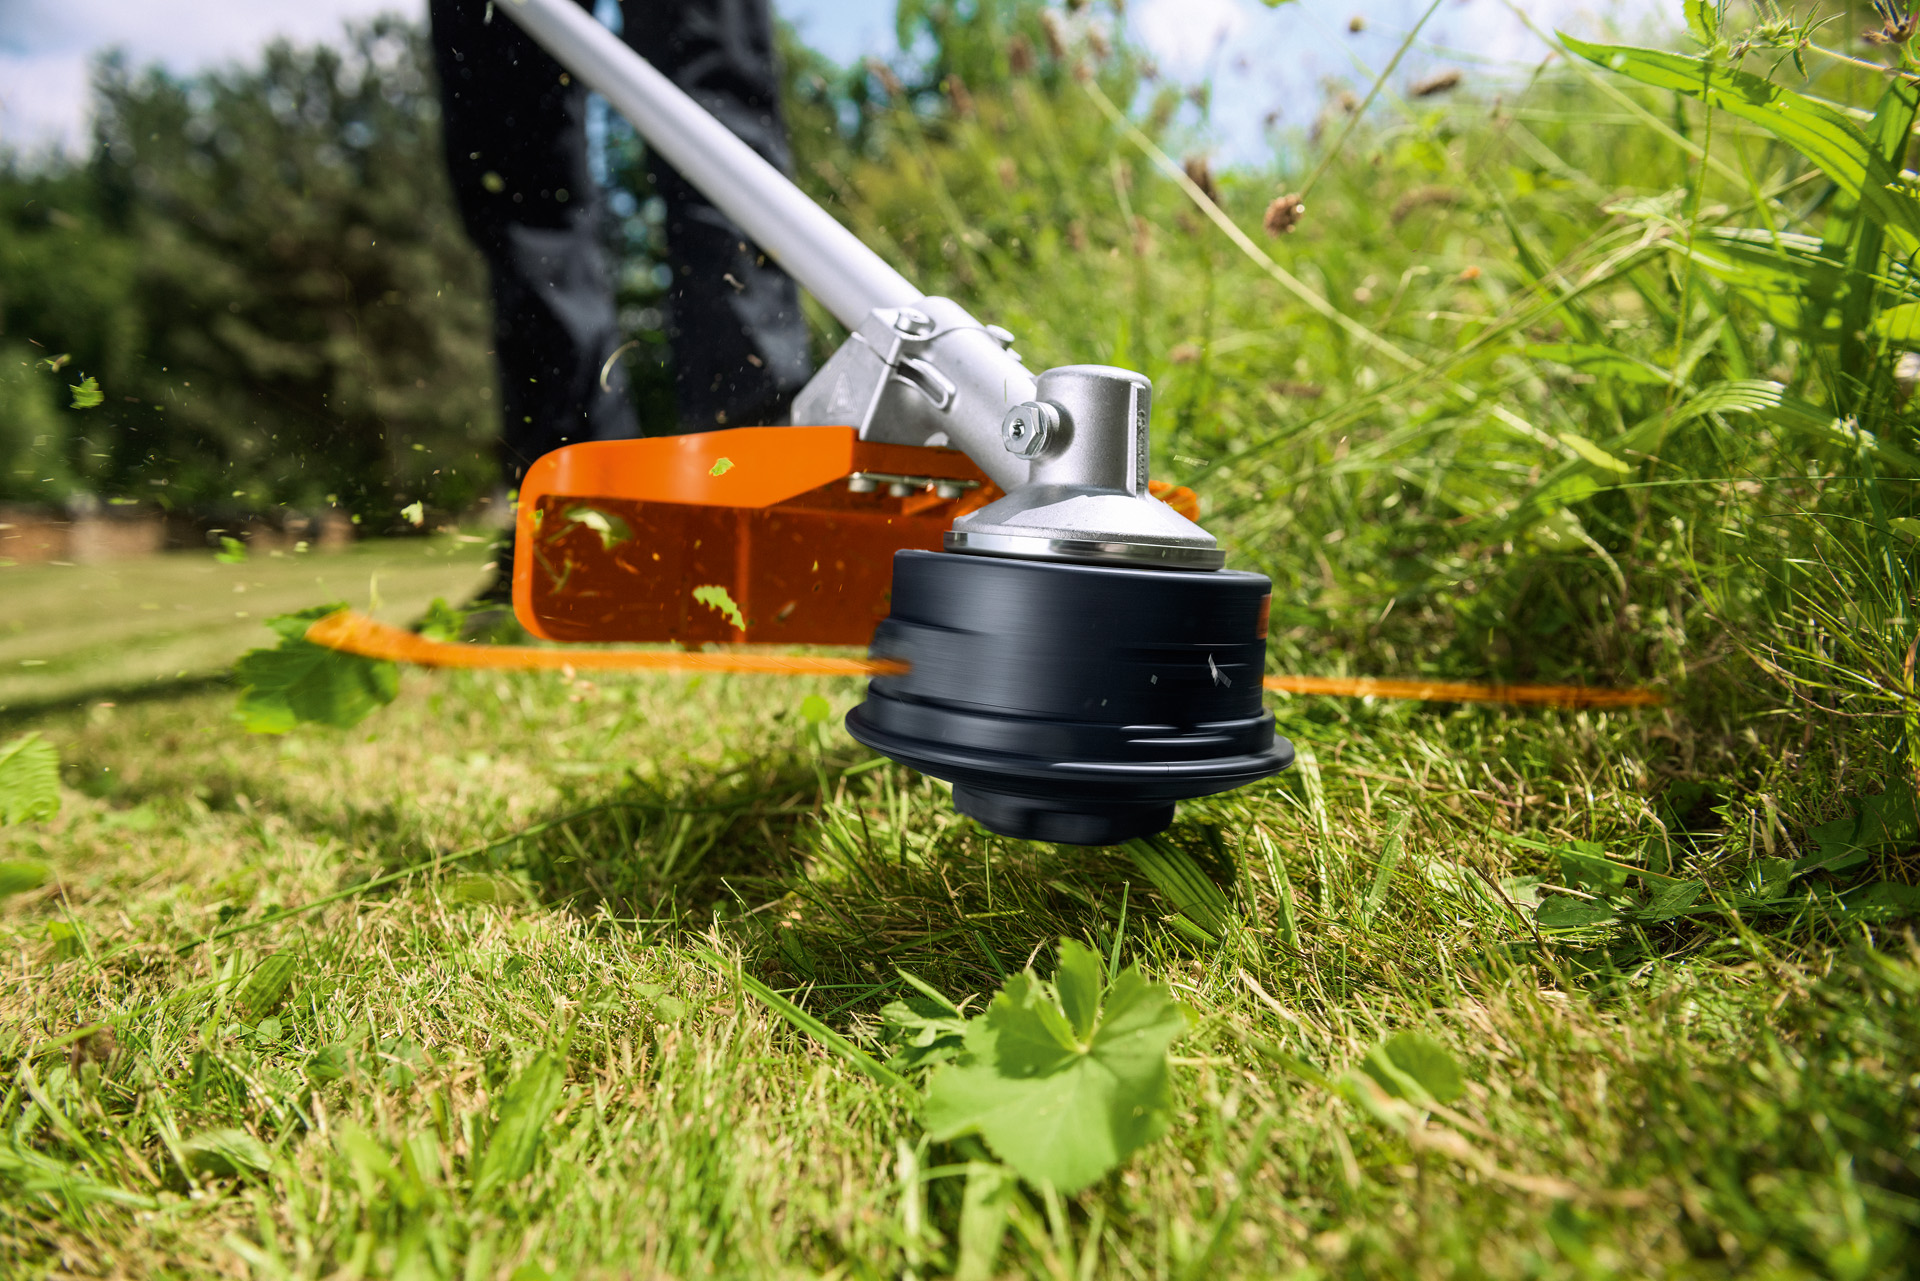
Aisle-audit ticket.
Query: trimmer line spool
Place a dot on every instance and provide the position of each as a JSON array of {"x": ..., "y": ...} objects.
[{"x": 1073, "y": 703}]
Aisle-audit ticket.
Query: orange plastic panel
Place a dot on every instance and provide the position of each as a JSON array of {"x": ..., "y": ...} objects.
[{"x": 614, "y": 538}]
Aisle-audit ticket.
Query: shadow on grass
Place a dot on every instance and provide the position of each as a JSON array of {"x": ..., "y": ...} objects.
[{"x": 21, "y": 714}]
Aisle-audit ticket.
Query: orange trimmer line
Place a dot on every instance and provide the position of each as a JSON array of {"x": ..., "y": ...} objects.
[{"x": 355, "y": 633}]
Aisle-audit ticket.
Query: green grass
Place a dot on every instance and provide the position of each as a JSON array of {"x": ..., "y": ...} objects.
[
  {"x": 1716, "y": 1094},
  {"x": 500, "y": 868},
  {"x": 77, "y": 631}
]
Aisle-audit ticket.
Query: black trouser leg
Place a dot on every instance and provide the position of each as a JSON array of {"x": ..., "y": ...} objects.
[
  {"x": 516, "y": 151},
  {"x": 740, "y": 347}
]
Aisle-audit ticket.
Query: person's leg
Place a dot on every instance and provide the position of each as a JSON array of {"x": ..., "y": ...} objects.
[
  {"x": 740, "y": 346},
  {"x": 515, "y": 136}
]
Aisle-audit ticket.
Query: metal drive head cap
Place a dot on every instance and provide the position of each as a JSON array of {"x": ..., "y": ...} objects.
[{"x": 1028, "y": 427}]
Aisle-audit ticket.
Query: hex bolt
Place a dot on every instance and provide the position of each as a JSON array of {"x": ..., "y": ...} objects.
[
  {"x": 1027, "y": 428},
  {"x": 946, "y": 489},
  {"x": 914, "y": 324},
  {"x": 861, "y": 483},
  {"x": 899, "y": 489},
  {"x": 1000, "y": 335}
]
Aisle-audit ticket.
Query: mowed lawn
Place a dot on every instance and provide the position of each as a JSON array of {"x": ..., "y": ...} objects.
[
  {"x": 283, "y": 996},
  {"x": 70, "y": 631}
]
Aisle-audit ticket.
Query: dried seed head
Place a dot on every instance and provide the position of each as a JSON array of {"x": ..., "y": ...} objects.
[
  {"x": 1356, "y": 24},
  {"x": 1897, "y": 26},
  {"x": 962, "y": 100},
  {"x": 1055, "y": 35},
  {"x": 1439, "y": 82},
  {"x": 1184, "y": 353},
  {"x": 1423, "y": 197},
  {"x": 884, "y": 74},
  {"x": 1020, "y": 56},
  {"x": 1200, "y": 174},
  {"x": 1284, "y": 214}
]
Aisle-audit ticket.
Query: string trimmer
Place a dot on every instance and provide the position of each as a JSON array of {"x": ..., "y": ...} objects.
[{"x": 1047, "y": 634}]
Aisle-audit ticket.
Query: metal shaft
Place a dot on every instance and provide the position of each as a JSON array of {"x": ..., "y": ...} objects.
[{"x": 829, "y": 261}]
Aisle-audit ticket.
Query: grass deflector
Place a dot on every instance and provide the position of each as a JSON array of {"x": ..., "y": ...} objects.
[{"x": 1080, "y": 657}]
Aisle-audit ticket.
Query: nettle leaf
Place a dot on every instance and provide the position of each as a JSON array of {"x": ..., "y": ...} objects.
[
  {"x": 1061, "y": 1106},
  {"x": 717, "y": 597},
  {"x": 299, "y": 681},
  {"x": 29, "y": 780},
  {"x": 611, "y": 528},
  {"x": 1887, "y": 819},
  {"x": 1671, "y": 900}
]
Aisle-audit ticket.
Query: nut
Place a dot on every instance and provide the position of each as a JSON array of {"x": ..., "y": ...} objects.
[{"x": 1027, "y": 428}]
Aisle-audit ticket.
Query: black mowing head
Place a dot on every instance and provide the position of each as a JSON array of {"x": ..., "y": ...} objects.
[{"x": 1073, "y": 703}]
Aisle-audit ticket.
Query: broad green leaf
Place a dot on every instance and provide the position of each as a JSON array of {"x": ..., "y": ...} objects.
[
  {"x": 1564, "y": 912},
  {"x": 1670, "y": 900},
  {"x": 611, "y": 528},
  {"x": 1886, "y": 819},
  {"x": 300, "y": 681},
  {"x": 1078, "y": 984},
  {"x": 721, "y": 466},
  {"x": 1062, "y": 1115},
  {"x": 442, "y": 622},
  {"x": 1823, "y": 135},
  {"x": 29, "y": 780},
  {"x": 719, "y": 598},
  {"x": 1883, "y": 901},
  {"x": 926, "y": 1032},
  {"x": 525, "y": 1109},
  {"x": 815, "y": 708},
  {"x": 414, "y": 513},
  {"x": 232, "y": 551},
  {"x": 226, "y": 1151},
  {"x": 1586, "y": 865},
  {"x": 1703, "y": 20},
  {"x": 86, "y": 393},
  {"x": 18, "y": 875},
  {"x": 1899, "y": 324},
  {"x": 269, "y": 984},
  {"x": 1415, "y": 1067}
]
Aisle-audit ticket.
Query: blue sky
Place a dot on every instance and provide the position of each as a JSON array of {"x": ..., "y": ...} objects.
[{"x": 1262, "y": 60}]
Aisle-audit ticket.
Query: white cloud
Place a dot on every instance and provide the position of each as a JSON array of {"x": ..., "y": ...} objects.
[{"x": 1183, "y": 35}]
